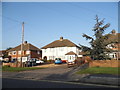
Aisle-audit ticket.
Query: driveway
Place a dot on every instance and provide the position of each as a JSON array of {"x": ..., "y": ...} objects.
[{"x": 52, "y": 72}]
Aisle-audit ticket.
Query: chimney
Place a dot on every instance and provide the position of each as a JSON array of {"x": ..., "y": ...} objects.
[
  {"x": 113, "y": 32},
  {"x": 25, "y": 42},
  {"x": 61, "y": 38}
]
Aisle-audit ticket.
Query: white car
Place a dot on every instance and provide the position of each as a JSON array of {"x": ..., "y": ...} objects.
[{"x": 39, "y": 61}]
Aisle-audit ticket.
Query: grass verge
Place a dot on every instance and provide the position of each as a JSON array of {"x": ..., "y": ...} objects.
[
  {"x": 18, "y": 69},
  {"x": 100, "y": 70}
]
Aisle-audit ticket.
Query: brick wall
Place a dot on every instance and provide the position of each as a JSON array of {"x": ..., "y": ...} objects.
[
  {"x": 35, "y": 55},
  {"x": 12, "y": 64},
  {"x": 105, "y": 63}
]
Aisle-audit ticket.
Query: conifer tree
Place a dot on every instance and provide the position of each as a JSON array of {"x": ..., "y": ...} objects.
[{"x": 98, "y": 43}]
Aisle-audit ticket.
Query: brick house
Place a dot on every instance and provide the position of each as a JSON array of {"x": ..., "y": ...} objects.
[
  {"x": 29, "y": 51},
  {"x": 115, "y": 54},
  {"x": 2, "y": 53}
]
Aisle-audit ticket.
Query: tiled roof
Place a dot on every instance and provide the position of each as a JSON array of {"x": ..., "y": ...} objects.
[
  {"x": 2, "y": 52},
  {"x": 114, "y": 37},
  {"x": 82, "y": 53},
  {"x": 27, "y": 46},
  {"x": 71, "y": 53},
  {"x": 60, "y": 43}
]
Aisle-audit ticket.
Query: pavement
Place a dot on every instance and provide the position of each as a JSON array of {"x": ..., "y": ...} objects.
[
  {"x": 97, "y": 79},
  {"x": 103, "y": 79},
  {"x": 62, "y": 73}
]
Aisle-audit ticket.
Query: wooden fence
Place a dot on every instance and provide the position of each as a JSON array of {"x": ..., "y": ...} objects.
[{"x": 104, "y": 63}]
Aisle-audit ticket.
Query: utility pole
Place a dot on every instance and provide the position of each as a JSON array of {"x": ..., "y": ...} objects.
[{"x": 22, "y": 42}]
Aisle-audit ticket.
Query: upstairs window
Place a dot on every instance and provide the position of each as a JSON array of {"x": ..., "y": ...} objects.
[
  {"x": 19, "y": 52},
  {"x": 45, "y": 50},
  {"x": 10, "y": 53},
  {"x": 14, "y": 53},
  {"x": 27, "y": 52}
]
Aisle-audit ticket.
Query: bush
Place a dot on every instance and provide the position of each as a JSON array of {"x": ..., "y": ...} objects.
[
  {"x": 50, "y": 61},
  {"x": 6, "y": 66},
  {"x": 44, "y": 60}
]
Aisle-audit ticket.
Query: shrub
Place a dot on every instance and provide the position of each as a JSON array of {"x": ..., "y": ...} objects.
[
  {"x": 44, "y": 60},
  {"x": 50, "y": 61},
  {"x": 6, "y": 66}
]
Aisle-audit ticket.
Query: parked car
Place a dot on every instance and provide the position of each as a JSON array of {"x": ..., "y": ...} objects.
[
  {"x": 31, "y": 62},
  {"x": 70, "y": 63},
  {"x": 39, "y": 62},
  {"x": 58, "y": 61},
  {"x": 3, "y": 61},
  {"x": 13, "y": 61}
]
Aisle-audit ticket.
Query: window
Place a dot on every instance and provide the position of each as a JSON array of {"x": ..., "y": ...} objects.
[
  {"x": 27, "y": 52},
  {"x": 19, "y": 52},
  {"x": 45, "y": 50},
  {"x": 14, "y": 52},
  {"x": 38, "y": 52},
  {"x": 49, "y": 57},
  {"x": 51, "y": 49},
  {"x": 19, "y": 58},
  {"x": 10, "y": 53},
  {"x": 61, "y": 49}
]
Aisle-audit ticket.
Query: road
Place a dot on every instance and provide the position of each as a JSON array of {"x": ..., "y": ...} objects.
[{"x": 19, "y": 83}]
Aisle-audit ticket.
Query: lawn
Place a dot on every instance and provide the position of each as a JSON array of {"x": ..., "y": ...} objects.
[
  {"x": 18, "y": 69},
  {"x": 100, "y": 70}
]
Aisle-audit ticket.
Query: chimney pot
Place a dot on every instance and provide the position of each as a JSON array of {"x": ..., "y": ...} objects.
[
  {"x": 113, "y": 32},
  {"x": 61, "y": 38},
  {"x": 25, "y": 42}
]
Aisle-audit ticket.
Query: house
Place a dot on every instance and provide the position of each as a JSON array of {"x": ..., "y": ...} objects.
[
  {"x": 29, "y": 51},
  {"x": 115, "y": 54},
  {"x": 2, "y": 53},
  {"x": 4, "y": 56},
  {"x": 62, "y": 48}
]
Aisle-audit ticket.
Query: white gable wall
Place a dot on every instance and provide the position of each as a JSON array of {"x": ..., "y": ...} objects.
[
  {"x": 58, "y": 52},
  {"x": 71, "y": 57}
]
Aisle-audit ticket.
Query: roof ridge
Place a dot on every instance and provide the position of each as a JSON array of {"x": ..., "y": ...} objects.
[
  {"x": 26, "y": 47},
  {"x": 33, "y": 45},
  {"x": 70, "y": 53},
  {"x": 58, "y": 43}
]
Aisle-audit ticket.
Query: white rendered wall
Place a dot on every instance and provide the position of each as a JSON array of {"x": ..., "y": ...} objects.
[
  {"x": 70, "y": 57},
  {"x": 58, "y": 52}
]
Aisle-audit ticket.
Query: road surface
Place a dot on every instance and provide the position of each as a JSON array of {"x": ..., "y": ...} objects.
[{"x": 19, "y": 83}]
